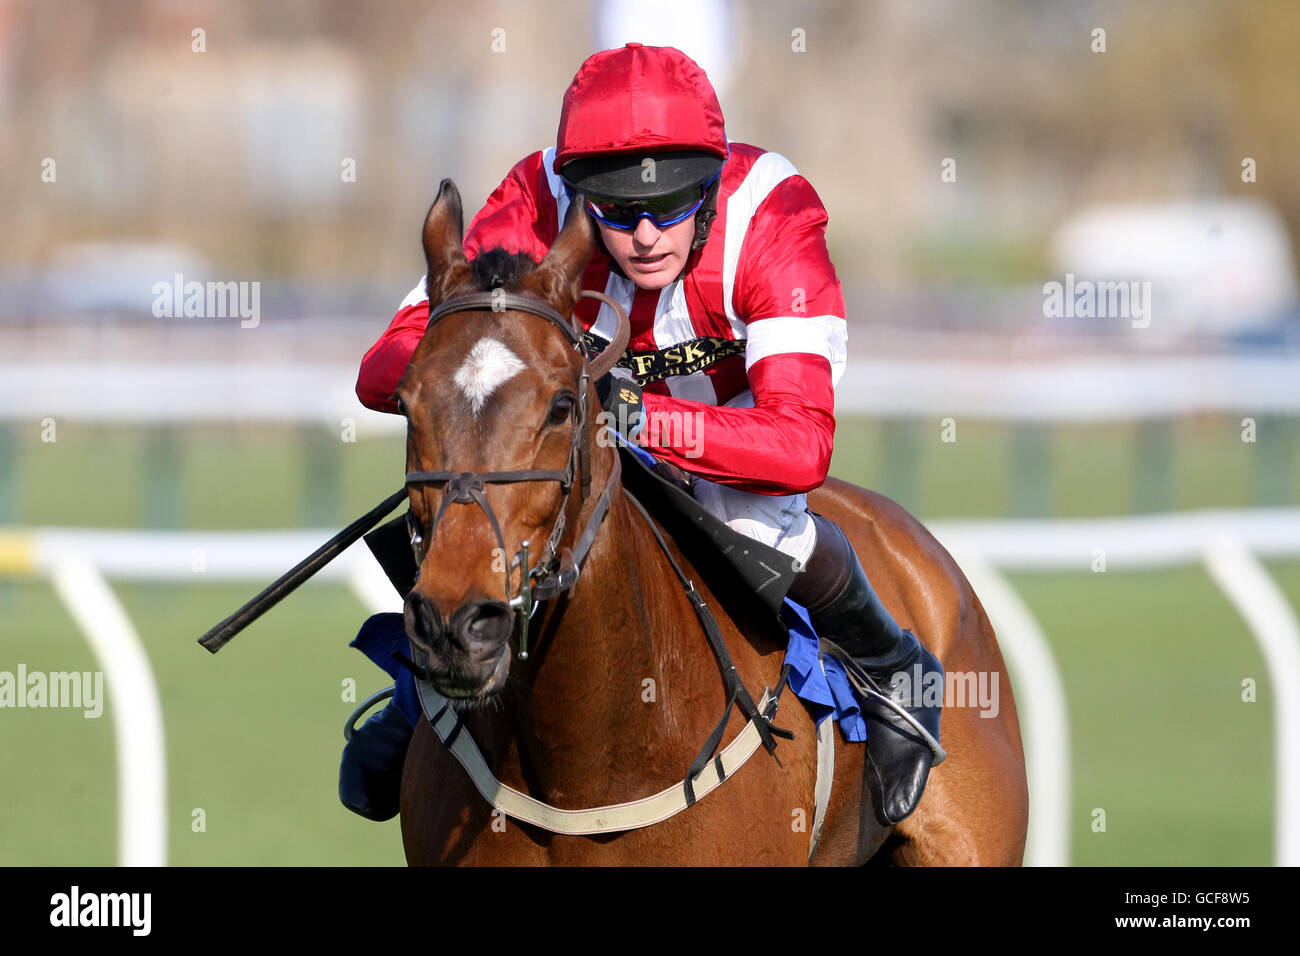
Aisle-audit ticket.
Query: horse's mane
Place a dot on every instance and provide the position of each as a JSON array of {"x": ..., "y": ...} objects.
[{"x": 496, "y": 268}]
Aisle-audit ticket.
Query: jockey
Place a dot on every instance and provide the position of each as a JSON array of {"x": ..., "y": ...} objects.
[{"x": 717, "y": 251}]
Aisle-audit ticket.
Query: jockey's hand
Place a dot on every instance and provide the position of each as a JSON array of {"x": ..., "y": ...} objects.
[{"x": 620, "y": 396}]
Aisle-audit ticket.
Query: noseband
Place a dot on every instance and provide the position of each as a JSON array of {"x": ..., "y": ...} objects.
[{"x": 558, "y": 569}]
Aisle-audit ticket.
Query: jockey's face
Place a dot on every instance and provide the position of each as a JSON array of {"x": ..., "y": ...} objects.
[{"x": 651, "y": 257}]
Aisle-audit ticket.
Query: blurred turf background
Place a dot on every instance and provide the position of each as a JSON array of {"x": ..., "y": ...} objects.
[{"x": 1152, "y": 661}]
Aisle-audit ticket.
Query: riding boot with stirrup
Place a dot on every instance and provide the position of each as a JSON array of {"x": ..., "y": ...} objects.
[
  {"x": 370, "y": 774},
  {"x": 845, "y": 610}
]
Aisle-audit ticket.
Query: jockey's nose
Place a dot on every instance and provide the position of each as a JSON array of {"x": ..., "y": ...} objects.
[{"x": 646, "y": 233}]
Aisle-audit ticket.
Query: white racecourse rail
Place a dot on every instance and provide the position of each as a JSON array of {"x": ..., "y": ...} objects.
[{"x": 1227, "y": 543}]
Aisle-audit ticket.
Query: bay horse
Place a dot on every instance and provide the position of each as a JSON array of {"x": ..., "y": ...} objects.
[{"x": 618, "y": 687}]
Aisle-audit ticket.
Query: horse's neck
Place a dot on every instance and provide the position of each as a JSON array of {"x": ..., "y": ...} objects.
[{"x": 619, "y": 671}]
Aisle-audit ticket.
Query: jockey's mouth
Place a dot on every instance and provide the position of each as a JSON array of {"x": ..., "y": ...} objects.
[{"x": 646, "y": 260}]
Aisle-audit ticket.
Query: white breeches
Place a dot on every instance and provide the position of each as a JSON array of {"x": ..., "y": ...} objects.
[{"x": 779, "y": 521}]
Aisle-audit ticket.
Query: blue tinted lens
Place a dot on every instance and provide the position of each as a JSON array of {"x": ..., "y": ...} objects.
[{"x": 662, "y": 210}]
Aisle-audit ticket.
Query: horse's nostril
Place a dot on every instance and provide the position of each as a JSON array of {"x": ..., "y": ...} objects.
[
  {"x": 488, "y": 621},
  {"x": 425, "y": 622},
  {"x": 481, "y": 627}
]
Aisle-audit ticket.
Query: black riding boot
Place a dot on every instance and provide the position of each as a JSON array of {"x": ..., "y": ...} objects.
[
  {"x": 844, "y": 609},
  {"x": 370, "y": 774}
]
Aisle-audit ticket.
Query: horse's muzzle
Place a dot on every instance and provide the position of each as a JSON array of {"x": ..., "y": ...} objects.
[{"x": 468, "y": 655}]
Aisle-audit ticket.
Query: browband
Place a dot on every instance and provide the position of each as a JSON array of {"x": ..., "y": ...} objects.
[{"x": 500, "y": 301}]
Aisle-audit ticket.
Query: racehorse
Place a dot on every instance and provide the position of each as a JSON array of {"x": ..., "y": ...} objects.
[{"x": 617, "y": 689}]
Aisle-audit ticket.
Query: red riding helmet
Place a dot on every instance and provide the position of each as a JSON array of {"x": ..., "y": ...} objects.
[{"x": 635, "y": 103}]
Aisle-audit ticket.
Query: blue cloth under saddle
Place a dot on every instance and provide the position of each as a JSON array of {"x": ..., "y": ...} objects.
[
  {"x": 821, "y": 684},
  {"x": 827, "y": 693}
]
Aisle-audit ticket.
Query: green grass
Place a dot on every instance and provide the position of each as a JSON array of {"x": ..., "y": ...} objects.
[
  {"x": 253, "y": 733},
  {"x": 1073, "y": 471},
  {"x": 1152, "y": 661},
  {"x": 975, "y": 260},
  {"x": 228, "y": 478},
  {"x": 249, "y": 477}
]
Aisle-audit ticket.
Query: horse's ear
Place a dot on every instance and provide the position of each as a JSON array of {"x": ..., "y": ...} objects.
[
  {"x": 558, "y": 278},
  {"x": 444, "y": 257}
]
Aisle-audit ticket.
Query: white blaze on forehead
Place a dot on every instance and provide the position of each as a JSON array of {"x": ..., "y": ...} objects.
[{"x": 488, "y": 365}]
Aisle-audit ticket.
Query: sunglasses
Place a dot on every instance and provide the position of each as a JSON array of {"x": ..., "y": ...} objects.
[{"x": 663, "y": 211}]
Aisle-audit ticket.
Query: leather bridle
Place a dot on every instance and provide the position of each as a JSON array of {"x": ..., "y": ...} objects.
[{"x": 559, "y": 567}]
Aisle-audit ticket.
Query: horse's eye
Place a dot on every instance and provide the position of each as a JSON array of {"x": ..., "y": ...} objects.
[
  {"x": 560, "y": 410},
  {"x": 401, "y": 405}
]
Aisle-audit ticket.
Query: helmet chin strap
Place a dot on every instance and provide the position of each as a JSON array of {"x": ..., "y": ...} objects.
[{"x": 705, "y": 215}]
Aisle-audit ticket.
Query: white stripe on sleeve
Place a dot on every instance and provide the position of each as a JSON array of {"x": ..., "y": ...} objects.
[{"x": 824, "y": 335}]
